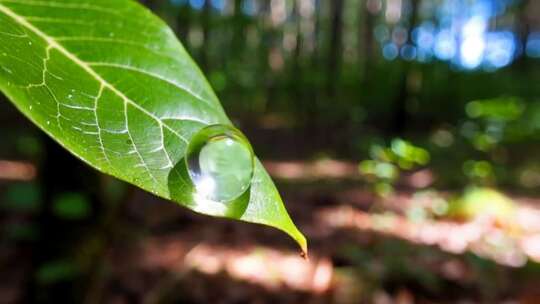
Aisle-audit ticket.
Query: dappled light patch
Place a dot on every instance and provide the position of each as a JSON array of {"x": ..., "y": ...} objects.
[
  {"x": 482, "y": 235},
  {"x": 17, "y": 170},
  {"x": 315, "y": 170},
  {"x": 264, "y": 266}
]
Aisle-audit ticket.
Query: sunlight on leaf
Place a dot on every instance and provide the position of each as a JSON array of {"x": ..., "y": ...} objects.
[{"x": 123, "y": 95}]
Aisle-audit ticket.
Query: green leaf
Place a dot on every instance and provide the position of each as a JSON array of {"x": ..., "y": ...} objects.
[{"x": 111, "y": 83}]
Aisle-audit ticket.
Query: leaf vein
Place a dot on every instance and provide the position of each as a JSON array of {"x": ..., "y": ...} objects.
[
  {"x": 52, "y": 43},
  {"x": 151, "y": 74},
  {"x": 136, "y": 150},
  {"x": 100, "y": 138}
]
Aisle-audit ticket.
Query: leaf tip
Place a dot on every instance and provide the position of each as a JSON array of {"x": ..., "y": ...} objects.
[
  {"x": 304, "y": 254},
  {"x": 301, "y": 241}
]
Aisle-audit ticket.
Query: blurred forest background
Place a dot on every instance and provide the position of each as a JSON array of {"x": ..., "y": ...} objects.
[{"x": 404, "y": 136}]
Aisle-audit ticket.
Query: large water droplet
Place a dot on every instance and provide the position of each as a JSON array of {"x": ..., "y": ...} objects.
[{"x": 220, "y": 163}]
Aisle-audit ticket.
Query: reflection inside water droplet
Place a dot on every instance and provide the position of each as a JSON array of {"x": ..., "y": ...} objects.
[{"x": 220, "y": 163}]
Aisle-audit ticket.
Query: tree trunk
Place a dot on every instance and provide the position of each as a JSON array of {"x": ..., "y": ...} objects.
[
  {"x": 206, "y": 24},
  {"x": 183, "y": 25},
  {"x": 400, "y": 119},
  {"x": 59, "y": 238},
  {"x": 335, "y": 53},
  {"x": 366, "y": 54}
]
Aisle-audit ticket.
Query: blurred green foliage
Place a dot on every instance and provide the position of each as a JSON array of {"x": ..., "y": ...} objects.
[
  {"x": 55, "y": 271},
  {"x": 386, "y": 163},
  {"x": 71, "y": 206},
  {"x": 22, "y": 197},
  {"x": 476, "y": 202}
]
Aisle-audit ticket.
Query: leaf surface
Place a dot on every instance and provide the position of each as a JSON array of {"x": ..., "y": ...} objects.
[{"x": 111, "y": 83}]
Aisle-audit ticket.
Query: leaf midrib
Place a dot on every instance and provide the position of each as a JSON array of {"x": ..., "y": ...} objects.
[{"x": 54, "y": 44}]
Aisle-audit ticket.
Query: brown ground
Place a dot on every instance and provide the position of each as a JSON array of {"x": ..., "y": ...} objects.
[{"x": 360, "y": 252}]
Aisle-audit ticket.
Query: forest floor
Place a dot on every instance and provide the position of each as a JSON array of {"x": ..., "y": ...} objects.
[
  {"x": 359, "y": 251},
  {"x": 362, "y": 249}
]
